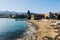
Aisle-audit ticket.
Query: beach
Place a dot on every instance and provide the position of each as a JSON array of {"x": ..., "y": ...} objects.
[{"x": 46, "y": 31}]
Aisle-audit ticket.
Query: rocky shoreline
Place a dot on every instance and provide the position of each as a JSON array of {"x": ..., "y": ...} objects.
[{"x": 30, "y": 33}]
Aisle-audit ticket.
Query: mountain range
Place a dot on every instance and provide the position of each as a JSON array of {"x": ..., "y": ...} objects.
[{"x": 13, "y": 12}]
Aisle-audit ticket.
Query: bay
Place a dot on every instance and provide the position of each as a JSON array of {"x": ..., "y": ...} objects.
[{"x": 11, "y": 29}]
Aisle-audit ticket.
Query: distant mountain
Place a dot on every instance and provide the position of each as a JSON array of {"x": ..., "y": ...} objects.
[{"x": 13, "y": 12}]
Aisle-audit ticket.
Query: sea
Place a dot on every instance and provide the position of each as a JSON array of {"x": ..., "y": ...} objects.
[{"x": 11, "y": 29}]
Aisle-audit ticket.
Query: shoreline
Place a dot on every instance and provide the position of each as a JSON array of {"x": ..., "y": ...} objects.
[
  {"x": 34, "y": 25},
  {"x": 30, "y": 33}
]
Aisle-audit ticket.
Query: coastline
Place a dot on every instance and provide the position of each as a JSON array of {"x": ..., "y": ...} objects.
[
  {"x": 45, "y": 30},
  {"x": 30, "y": 33},
  {"x": 34, "y": 24}
]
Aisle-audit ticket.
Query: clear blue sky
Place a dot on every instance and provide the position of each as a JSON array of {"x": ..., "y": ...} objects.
[{"x": 37, "y": 6}]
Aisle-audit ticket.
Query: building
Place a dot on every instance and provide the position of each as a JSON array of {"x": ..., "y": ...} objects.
[
  {"x": 39, "y": 16},
  {"x": 51, "y": 15},
  {"x": 55, "y": 15},
  {"x": 58, "y": 15}
]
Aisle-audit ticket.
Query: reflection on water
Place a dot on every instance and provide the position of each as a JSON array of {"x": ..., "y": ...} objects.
[
  {"x": 21, "y": 19},
  {"x": 10, "y": 29}
]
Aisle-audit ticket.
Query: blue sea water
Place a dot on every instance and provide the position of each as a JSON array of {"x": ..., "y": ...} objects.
[{"x": 11, "y": 29}]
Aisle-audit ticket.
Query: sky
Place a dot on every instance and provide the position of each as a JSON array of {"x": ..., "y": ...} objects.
[{"x": 36, "y": 6}]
